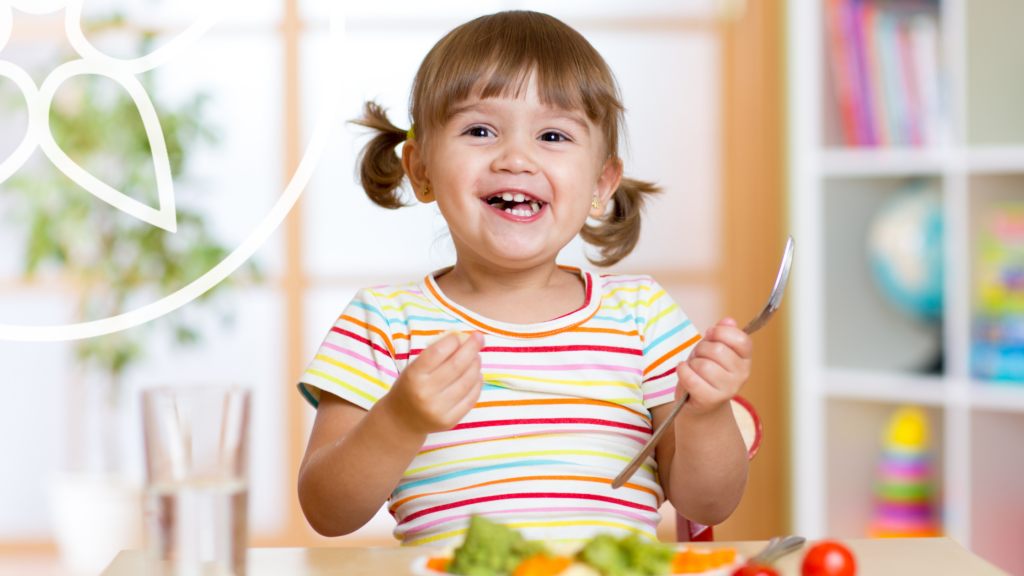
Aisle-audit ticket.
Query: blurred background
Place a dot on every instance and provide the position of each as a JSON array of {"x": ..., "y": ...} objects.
[{"x": 886, "y": 136}]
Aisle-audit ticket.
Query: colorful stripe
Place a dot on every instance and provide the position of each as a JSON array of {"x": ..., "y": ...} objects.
[
  {"x": 630, "y": 485},
  {"x": 672, "y": 353},
  {"x": 628, "y": 318},
  {"x": 617, "y": 512},
  {"x": 559, "y": 368},
  {"x": 557, "y": 381},
  {"x": 349, "y": 387},
  {"x": 352, "y": 370},
  {"x": 526, "y": 454},
  {"x": 662, "y": 314},
  {"x": 546, "y": 402},
  {"x": 375, "y": 330},
  {"x": 664, "y": 392},
  {"x": 573, "y": 348},
  {"x": 361, "y": 358},
  {"x": 362, "y": 340},
  {"x": 531, "y": 434},
  {"x": 526, "y": 496},
  {"x": 672, "y": 332},
  {"x": 546, "y": 421}
]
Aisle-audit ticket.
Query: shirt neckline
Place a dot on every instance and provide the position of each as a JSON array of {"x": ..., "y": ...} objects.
[{"x": 591, "y": 304}]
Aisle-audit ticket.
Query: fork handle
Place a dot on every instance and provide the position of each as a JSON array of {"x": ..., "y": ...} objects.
[{"x": 640, "y": 458}]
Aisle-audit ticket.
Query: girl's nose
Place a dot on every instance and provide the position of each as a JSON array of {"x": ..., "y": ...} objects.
[{"x": 515, "y": 155}]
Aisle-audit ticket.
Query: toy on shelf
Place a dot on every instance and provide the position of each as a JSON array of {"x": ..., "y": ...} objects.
[
  {"x": 904, "y": 491},
  {"x": 905, "y": 254},
  {"x": 997, "y": 347}
]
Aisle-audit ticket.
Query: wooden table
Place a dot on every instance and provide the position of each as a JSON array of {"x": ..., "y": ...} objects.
[{"x": 927, "y": 556}]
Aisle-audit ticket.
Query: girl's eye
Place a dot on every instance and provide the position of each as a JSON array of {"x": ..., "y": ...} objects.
[
  {"x": 479, "y": 132},
  {"x": 553, "y": 137}
]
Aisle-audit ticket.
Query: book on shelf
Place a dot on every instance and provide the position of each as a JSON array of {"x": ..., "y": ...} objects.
[
  {"x": 886, "y": 71},
  {"x": 997, "y": 346}
]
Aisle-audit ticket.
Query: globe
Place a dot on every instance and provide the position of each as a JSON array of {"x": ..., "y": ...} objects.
[{"x": 904, "y": 248}]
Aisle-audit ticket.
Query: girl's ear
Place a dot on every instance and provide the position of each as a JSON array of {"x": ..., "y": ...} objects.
[
  {"x": 607, "y": 183},
  {"x": 416, "y": 169}
]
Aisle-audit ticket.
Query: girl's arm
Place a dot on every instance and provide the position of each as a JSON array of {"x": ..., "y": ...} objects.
[
  {"x": 355, "y": 458},
  {"x": 702, "y": 464}
]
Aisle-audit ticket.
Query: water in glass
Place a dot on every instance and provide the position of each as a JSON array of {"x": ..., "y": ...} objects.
[{"x": 197, "y": 493}]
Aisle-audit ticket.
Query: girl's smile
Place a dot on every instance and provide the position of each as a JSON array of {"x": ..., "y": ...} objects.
[{"x": 515, "y": 205}]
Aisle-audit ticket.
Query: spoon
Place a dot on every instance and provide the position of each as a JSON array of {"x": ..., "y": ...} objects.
[{"x": 760, "y": 320}]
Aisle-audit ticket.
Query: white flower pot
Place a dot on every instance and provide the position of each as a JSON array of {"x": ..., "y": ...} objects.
[{"x": 94, "y": 518}]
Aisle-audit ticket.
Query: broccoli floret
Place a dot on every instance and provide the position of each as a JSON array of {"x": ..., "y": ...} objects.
[
  {"x": 491, "y": 549},
  {"x": 604, "y": 553},
  {"x": 630, "y": 556}
]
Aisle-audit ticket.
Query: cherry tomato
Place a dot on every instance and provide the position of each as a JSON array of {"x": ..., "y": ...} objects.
[
  {"x": 755, "y": 570},
  {"x": 829, "y": 559}
]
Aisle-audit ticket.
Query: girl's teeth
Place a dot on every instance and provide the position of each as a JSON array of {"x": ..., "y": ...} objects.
[
  {"x": 519, "y": 197},
  {"x": 535, "y": 207},
  {"x": 507, "y": 197}
]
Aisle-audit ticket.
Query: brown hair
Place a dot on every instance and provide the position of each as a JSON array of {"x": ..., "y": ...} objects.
[{"x": 495, "y": 56}]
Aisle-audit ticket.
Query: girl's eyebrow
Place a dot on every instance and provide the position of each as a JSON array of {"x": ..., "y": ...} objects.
[
  {"x": 573, "y": 117},
  {"x": 467, "y": 108}
]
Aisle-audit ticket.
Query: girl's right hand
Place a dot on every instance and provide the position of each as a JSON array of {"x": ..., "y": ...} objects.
[{"x": 437, "y": 389}]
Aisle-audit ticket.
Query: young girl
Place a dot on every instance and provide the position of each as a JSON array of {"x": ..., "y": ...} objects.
[{"x": 556, "y": 375}]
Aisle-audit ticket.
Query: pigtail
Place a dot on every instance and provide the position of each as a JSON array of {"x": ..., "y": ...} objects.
[
  {"x": 619, "y": 228},
  {"x": 380, "y": 168}
]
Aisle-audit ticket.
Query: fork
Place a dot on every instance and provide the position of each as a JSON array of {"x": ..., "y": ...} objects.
[{"x": 774, "y": 300}]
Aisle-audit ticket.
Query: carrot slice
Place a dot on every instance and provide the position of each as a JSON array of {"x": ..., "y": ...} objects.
[
  {"x": 724, "y": 556},
  {"x": 541, "y": 565},
  {"x": 439, "y": 564},
  {"x": 696, "y": 560}
]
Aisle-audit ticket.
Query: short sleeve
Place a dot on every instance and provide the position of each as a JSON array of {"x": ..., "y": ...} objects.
[
  {"x": 668, "y": 339},
  {"x": 356, "y": 361}
]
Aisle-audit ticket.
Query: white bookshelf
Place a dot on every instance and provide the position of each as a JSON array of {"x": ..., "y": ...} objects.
[{"x": 840, "y": 396}]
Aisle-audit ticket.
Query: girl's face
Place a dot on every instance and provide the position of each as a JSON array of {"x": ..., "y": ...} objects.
[{"x": 514, "y": 178}]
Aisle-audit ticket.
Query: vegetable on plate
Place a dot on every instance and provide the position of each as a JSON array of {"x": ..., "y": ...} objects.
[{"x": 492, "y": 549}]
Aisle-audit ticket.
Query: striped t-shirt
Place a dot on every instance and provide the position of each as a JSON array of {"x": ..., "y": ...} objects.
[{"x": 565, "y": 405}]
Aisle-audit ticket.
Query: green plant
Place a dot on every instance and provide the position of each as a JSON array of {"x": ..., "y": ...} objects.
[{"x": 112, "y": 260}]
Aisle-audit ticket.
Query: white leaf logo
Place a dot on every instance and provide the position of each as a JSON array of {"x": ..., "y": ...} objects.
[
  {"x": 164, "y": 216},
  {"x": 123, "y": 72}
]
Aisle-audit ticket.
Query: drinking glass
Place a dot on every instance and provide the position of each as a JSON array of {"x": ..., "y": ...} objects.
[{"x": 197, "y": 484}]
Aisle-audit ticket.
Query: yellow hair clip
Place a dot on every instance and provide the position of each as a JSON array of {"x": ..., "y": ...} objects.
[{"x": 411, "y": 134}]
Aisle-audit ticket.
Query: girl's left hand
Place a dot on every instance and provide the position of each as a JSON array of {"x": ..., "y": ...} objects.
[{"x": 717, "y": 368}]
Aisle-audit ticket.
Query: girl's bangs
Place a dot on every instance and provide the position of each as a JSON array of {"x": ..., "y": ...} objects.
[{"x": 497, "y": 55}]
